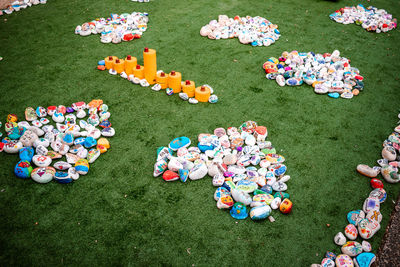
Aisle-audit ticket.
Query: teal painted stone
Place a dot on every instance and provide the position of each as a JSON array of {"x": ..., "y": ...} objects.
[
  {"x": 334, "y": 95},
  {"x": 260, "y": 213},
  {"x": 26, "y": 153},
  {"x": 281, "y": 195},
  {"x": 239, "y": 211},
  {"x": 179, "y": 142},
  {"x": 79, "y": 141},
  {"x": 68, "y": 139},
  {"x": 364, "y": 259},
  {"x": 89, "y": 142},
  {"x": 355, "y": 216},
  {"x": 183, "y": 175},
  {"x": 23, "y": 169},
  {"x": 163, "y": 153}
]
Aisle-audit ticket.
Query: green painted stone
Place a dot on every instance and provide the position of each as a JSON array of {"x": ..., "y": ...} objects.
[
  {"x": 269, "y": 150},
  {"x": 259, "y": 191}
]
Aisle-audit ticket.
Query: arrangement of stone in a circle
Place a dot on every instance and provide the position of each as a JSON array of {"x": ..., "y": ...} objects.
[
  {"x": 19, "y": 5},
  {"x": 41, "y": 143},
  {"x": 116, "y": 28},
  {"x": 365, "y": 222},
  {"x": 231, "y": 156},
  {"x": 370, "y": 18},
  {"x": 148, "y": 74},
  {"x": 327, "y": 73},
  {"x": 257, "y": 31}
]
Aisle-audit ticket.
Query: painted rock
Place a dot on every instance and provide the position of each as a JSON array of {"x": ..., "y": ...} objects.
[
  {"x": 240, "y": 196},
  {"x": 63, "y": 149},
  {"x": 62, "y": 165},
  {"x": 170, "y": 176},
  {"x": 390, "y": 174},
  {"x": 82, "y": 166},
  {"x": 41, "y": 161},
  {"x": 275, "y": 204},
  {"x": 159, "y": 167},
  {"x": 379, "y": 193},
  {"x": 376, "y": 183},
  {"x": 278, "y": 169},
  {"x": 183, "y": 175},
  {"x": 218, "y": 180},
  {"x": 246, "y": 186},
  {"x": 26, "y": 153},
  {"x": 44, "y": 121},
  {"x": 229, "y": 185},
  {"x": 12, "y": 147},
  {"x": 82, "y": 153},
  {"x": 163, "y": 153},
  {"x": 351, "y": 232},
  {"x": 389, "y": 153},
  {"x": 364, "y": 259},
  {"x": 374, "y": 215},
  {"x": 344, "y": 260},
  {"x": 274, "y": 158},
  {"x": 366, "y": 246},
  {"x": 183, "y": 96},
  {"x": 12, "y": 118},
  {"x": 327, "y": 262},
  {"x": 23, "y": 169},
  {"x": 53, "y": 155},
  {"x": 260, "y": 213},
  {"x": 225, "y": 202},
  {"x": 89, "y": 142},
  {"x": 179, "y": 142},
  {"x": 339, "y": 239},
  {"x": 220, "y": 192},
  {"x": 355, "y": 216},
  {"x": 43, "y": 175},
  {"x": 72, "y": 173},
  {"x": 281, "y": 195},
  {"x": 30, "y": 114},
  {"x": 57, "y": 117},
  {"x": 286, "y": 206},
  {"x": 367, "y": 171},
  {"x": 41, "y": 142},
  {"x": 213, "y": 99},
  {"x": 198, "y": 171},
  {"x": 371, "y": 203},
  {"x": 71, "y": 158},
  {"x": 62, "y": 177},
  {"x": 28, "y": 138},
  {"x": 104, "y": 142},
  {"x": 262, "y": 199},
  {"x": 352, "y": 248},
  {"x": 68, "y": 139},
  {"x": 367, "y": 228},
  {"x": 279, "y": 186},
  {"x": 330, "y": 255},
  {"x": 334, "y": 95},
  {"x": 93, "y": 154},
  {"x": 239, "y": 211}
]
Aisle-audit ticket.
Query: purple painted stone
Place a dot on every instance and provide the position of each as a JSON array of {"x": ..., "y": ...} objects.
[{"x": 70, "y": 110}]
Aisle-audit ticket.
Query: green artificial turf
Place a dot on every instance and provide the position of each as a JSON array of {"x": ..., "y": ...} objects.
[{"x": 119, "y": 214}]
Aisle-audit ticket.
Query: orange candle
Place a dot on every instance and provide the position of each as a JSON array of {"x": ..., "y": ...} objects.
[
  {"x": 188, "y": 87},
  {"x": 202, "y": 94},
  {"x": 162, "y": 79},
  {"x": 138, "y": 72},
  {"x": 174, "y": 81},
  {"x": 130, "y": 64},
  {"x": 150, "y": 65},
  {"x": 119, "y": 65},
  {"x": 110, "y": 61}
]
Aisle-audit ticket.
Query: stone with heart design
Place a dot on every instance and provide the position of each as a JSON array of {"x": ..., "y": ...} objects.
[
  {"x": 43, "y": 175},
  {"x": 23, "y": 169},
  {"x": 62, "y": 165},
  {"x": 41, "y": 161}
]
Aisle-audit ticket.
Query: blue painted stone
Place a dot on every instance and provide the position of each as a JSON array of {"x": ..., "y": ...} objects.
[
  {"x": 267, "y": 188},
  {"x": 364, "y": 259},
  {"x": 205, "y": 146},
  {"x": 239, "y": 211},
  {"x": 105, "y": 124},
  {"x": 276, "y": 31},
  {"x": 179, "y": 142},
  {"x": 101, "y": 63},
  {"x": 330, "y": 255},
  {"x": 280, "y": 170},
  {"x": 79, "y": 141},
  {"x": 229, "y": 185},
  {"x": 169, "y": 91},
  {"x": 352, "y": 216},
  {"x": 23, "y": 169},
  {"x": 68, "y": 139},
  {"x": 183, "y": 175},
  {"x": 246, "y": 186},
  {"x": 26, "y": 153},
  {"x": 220, "y": 192},
  {"x": 334, "y": 95},
  {"x": 89, "y": 142},
  {"x": 63, "y": 178},
  {"x": 260, "y": 213},
  {"x": 16, "y": 132}
]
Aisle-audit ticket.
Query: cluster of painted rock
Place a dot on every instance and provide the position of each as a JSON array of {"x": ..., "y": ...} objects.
[
  {"x": 141, "y": 1},
  {"x": 147, "y": 75},
  {"x": 371, "y": 18},
  {"x": 327, "y": 73},
  {"x": 41, "y": 143},
  {"x": 117, "y": 28},
  {"x": 364, "y": 223},
  {"x": 256, "y": 31},
  {"x": 389, "y": 163},
  {"x": 231, "y": 157},
  {"x": 22, "y": 4}
]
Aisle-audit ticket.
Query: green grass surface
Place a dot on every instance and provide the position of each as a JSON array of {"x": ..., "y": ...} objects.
[{"x": 119, "y": 214}]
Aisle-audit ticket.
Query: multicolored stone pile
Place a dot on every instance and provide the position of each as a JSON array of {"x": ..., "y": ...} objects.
[
  {"x": 39, "y": 142},
  {"x": 364, "y": 223},
  {"x": 19, "y": 5},
  {"x": 370, "y": 18},
  {"x": 257, "y": 31},
  {"x": 327, "y": 73},
  {"x": 116, "y": 28},
  {"x": 241, "y": 162}
]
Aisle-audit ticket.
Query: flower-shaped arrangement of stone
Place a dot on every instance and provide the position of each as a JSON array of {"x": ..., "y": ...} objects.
[
  {"x": 328, "y": 73},
  {"x": 256, "y": 31},
  {"x": 19, "y": 5},
  {"x": 371, "y": 18},
  {"x": 42, "y": 143},
  {"x": 365, "y": 222},
  {"x": 147, "y": 75},
  {"x": 117, "y": 28},
  {"x": 231, "y": 157}
]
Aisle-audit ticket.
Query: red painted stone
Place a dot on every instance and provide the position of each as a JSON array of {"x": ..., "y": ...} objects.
[
  {"x": 376, "y": 183},
  {"x": 169, "y": 176}
]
